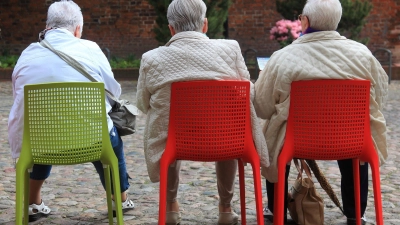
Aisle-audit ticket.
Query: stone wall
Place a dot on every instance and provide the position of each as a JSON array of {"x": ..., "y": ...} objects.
[{"x": 125, "y": 27}]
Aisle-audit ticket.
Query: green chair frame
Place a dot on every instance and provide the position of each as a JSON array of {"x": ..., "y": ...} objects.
[{"x": 65, "y": 124}]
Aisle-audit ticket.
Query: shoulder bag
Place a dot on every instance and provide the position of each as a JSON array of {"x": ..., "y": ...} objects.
[{"x": 305, "y": 205}]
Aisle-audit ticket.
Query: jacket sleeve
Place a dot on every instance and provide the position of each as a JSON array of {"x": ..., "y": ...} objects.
[
  {"x": 264, "y": 101},
  {"x": 381, "y": 83},
  {"x": 16, "y": 117},
  {"x": 143, "y": 95},
  {"x": 243, "y": 71}
]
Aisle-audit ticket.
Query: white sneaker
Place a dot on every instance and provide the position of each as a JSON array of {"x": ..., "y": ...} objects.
[
  {"x": 126, "y": 206},
  {"x": 38, "y": 211}
]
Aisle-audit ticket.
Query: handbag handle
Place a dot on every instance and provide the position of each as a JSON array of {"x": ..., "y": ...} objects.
[
  {"x": 304, "y": 167},
  {"x": 74, "y": 64}
]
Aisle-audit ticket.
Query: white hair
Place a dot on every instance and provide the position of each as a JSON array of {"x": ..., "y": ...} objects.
[
  {"x": 186, "y": 15},
  {"x": 64, "y": 14},
  {"x": 323, "y": 14}
]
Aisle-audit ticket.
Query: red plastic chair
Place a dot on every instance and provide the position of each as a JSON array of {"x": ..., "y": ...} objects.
[
  {"x": 210, "y": 121},
  {"x": 329, "y": 120}
]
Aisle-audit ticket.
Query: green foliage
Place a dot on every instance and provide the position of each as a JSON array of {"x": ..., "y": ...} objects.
[
  {"x": 129, "y": 62},
  {"x": 162, "y": 30},
  {"x": 290, "y": 9},
  {"x": 8, "y": 61},
  {"x": 217, "y": 13},
  {"x": 353, "y": 16}
]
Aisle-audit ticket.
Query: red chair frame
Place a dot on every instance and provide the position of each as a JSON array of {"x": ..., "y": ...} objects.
[
  {"x": 329, "y": 120},
  {"x": 210, "y": 121}
]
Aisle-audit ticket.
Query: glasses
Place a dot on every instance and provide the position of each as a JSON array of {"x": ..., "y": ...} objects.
[{"x": 301, "y": 16}]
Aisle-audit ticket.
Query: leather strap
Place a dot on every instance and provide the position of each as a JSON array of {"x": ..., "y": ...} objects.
[{"x": 75, "y": 64}]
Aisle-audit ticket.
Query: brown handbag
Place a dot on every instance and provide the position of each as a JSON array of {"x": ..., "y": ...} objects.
[{"x": 305, "y": 205}]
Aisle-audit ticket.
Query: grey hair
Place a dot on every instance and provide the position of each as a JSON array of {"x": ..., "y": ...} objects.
[
  {"x": 64, "y": 14},
  {"x": 323, "y": 14},
  {"x": 187, "y": 15}
]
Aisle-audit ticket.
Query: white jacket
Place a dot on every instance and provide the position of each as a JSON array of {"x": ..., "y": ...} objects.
[
  {"x": 38, "y": 64},
  {"x": 319, "y": 55},
  {"x": 187, "y": 56}
]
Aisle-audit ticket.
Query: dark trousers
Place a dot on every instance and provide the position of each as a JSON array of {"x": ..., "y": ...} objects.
[{"x": 347, "y": 188}]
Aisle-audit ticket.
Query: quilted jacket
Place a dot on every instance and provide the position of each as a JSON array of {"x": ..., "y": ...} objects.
[
  {"x": 319, "y": 55},
  {"x": 187, "y": 56}
]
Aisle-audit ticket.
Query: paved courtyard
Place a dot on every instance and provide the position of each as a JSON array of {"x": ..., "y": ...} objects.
[{"x": 75, "y": 195}]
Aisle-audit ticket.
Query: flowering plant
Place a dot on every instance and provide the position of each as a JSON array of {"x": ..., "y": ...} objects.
[{"x": 285, "y": 32}]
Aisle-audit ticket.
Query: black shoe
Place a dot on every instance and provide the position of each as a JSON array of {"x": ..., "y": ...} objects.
[
  {"x": 352, "y": 221},
  {"x": 270, "y": 217},
  {"x": 268, "y": 214}
]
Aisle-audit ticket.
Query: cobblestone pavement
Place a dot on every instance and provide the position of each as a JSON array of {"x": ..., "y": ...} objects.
[{"x": 75, "y": 195}]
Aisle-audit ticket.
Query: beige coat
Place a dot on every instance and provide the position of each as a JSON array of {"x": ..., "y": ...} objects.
[
  {"x": 187, "y": 56},
  {"x": 319, "y": 55}
]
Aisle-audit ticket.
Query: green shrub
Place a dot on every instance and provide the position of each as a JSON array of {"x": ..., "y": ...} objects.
[
  {"x": 8, "y": 61},
  {"x": 217, "y": 14},
  {"x": 129, "y": 62}
]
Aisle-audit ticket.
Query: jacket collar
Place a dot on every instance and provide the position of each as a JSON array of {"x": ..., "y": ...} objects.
[
  {"x": 319, "y": 36},
  {"x": 187, "y": 35}
]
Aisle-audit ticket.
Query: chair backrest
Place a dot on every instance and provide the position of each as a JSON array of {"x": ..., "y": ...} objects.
[
  {"x": 209, "y": 120},
  {"x": 329, "y": 119},
  {"x": 64, "y": 123}
]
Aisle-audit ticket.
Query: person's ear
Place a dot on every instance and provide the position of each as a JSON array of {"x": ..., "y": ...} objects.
[
  {"x": 205, "y": 26},
  {"x": 305, "y": 24},
  {"x": 172, "y": 30},
  {"x": 77, "y": 32}
]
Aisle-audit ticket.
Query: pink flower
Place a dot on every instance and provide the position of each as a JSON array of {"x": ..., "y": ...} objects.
[{"x": 285, "y": 31}]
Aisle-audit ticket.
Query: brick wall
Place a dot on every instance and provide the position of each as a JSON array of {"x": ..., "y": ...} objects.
[
  {"x": 249, "y": 23},
  {"x": 383, "y": 27},
  {"x": 125, "y": 27}
]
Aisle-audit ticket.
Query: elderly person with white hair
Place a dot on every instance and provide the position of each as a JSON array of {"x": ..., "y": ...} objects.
[
  {"x": 320, "y": 53},
  {"x": 188, "y": 55},
  {"x": 38, "y": 64}
]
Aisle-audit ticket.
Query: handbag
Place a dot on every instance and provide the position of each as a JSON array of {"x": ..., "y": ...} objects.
[
  {"x": 305, "y": 205},
  {"x": 123, "y": 113}
]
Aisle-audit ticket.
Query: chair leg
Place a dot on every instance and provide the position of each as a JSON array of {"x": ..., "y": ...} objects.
[
  {"x": 21, "y": 215},
  {"x": 279, "y": 203},
  {"x": 108, "y": 192},
  {"x": 117, "y": 192},
  {"x": 242, "y": 191},
  {"x": 257, "y": 190},
  {"x": 163, "y": 192},
  {"x": 356, "y": 178},
  {"x": 26, "y": 196},
  {"x": 377, "y": 191}
]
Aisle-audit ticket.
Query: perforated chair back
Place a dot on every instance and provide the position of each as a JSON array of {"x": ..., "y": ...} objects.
[
  {"x": 329, "y": 120},
  {"x": 65, "y": 124},
  {"x": 210, "y": 121}
]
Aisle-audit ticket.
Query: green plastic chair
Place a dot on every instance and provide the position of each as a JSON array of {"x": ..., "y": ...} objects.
[{"x": 65, "y": 124}]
